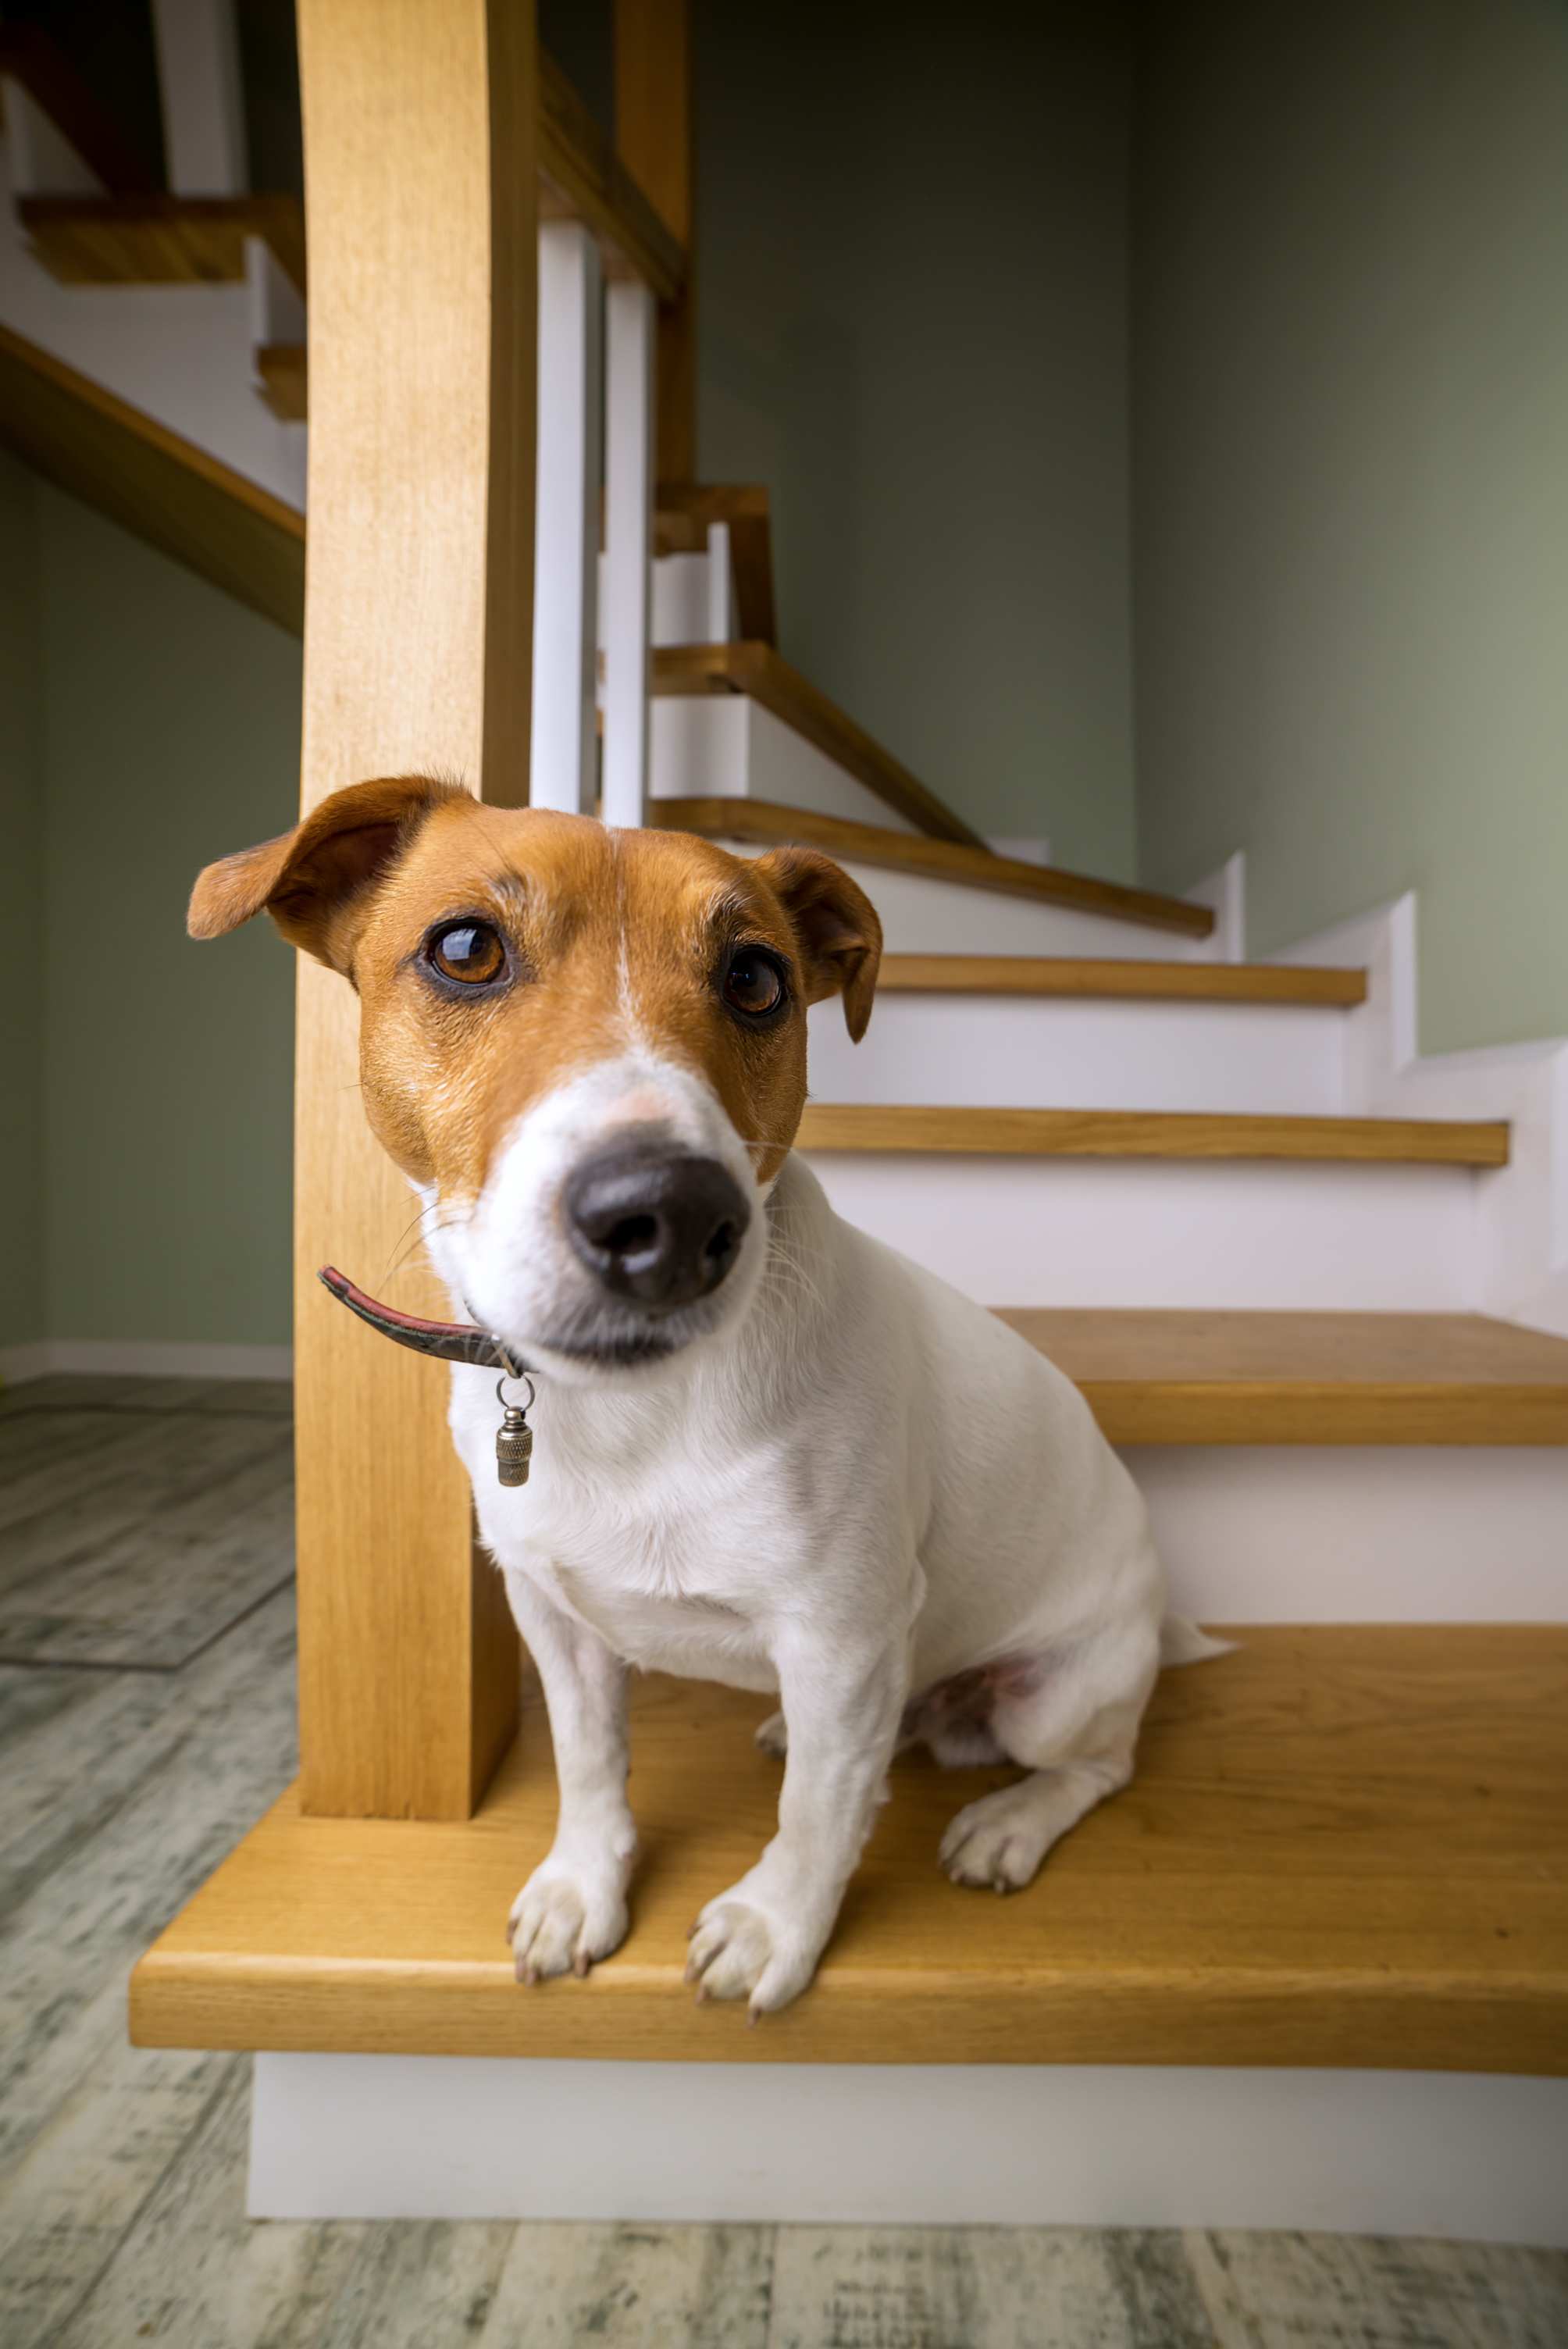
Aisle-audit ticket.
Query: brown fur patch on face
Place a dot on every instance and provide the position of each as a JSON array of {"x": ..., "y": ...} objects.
[{"x": 615, "y": 941}]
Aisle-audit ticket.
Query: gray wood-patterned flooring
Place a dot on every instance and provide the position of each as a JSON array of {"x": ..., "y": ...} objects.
[{"x": 122, "y": 2172}]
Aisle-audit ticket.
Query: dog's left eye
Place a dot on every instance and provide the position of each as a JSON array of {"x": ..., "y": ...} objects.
[
  {"x": 470, "y": 951},
  {"x": 754, "y": 982}
]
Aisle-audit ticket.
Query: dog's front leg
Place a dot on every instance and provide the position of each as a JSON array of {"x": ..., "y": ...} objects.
[
  {"x": 572, "y": 1909},
  {"x": 761, "y": 1939}
]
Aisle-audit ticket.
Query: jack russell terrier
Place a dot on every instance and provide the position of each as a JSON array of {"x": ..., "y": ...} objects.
[{"x": 771, "y": 1452}]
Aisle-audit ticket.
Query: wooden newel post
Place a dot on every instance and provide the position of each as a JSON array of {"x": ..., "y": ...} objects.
[{"x": 419, "y": 129}]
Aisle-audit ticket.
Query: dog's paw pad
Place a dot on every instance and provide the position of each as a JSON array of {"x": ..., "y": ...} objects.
[
  {"x": 998, "y": 1843},
  {"x": 559, "y": 1925},
  {"x": 773, "y": 1737},
  {"x": 737, "y": 1952}
]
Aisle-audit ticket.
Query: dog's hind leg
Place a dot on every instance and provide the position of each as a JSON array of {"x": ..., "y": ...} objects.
[{"x": 1078, "y": 1731}]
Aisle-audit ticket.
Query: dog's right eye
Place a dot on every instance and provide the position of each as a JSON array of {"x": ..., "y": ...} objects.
[{"x": 470, "y": 951}]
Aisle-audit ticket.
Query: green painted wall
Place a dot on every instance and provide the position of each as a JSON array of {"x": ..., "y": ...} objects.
[
  {"x": 22, "y": 1283},
  {"x": 1351, "y": 477},
  {"x": 168, "y": 734},
  {"x": 913, "y": 300}
]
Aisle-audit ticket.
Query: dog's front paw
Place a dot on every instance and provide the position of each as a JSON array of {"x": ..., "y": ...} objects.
[
  {"x": 739, "y": 1949},
  {"x": 567, "y": 1915}
]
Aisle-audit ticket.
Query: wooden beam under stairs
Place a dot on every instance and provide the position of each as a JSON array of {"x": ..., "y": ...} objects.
[
  {"x": 1310, "y": 1378},
  {"x": 174, "y": 495},
  {"x": 1343, "y": 1847},
  {"x": 1151, "y": 982},
  {"x": 1153, "y": 1134},
  {"x": 944, "y": 858},
  {"x": 759, "y": 672}
]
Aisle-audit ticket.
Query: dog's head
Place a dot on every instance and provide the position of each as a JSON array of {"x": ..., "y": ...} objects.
[{"x": 586, "y": 1047}]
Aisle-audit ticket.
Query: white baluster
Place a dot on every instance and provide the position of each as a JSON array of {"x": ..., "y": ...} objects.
[
  {"x": 564, "y": 770},
  {"x": 628, "y": 508},
  {"x": 198, "y": 46},
  {"x": 720, "y": 605}
]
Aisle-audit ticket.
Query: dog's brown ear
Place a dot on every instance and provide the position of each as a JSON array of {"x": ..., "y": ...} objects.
[
  {"x": 307, "y": 879},
  {"x": 836, "y": 928}
]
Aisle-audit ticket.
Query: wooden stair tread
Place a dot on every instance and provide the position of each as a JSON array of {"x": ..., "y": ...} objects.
[
  {"x": 1151, "y": 1133},
  {"x": 1344, "y": 1846},
  {"x": 1308, "y": 1378},
  {"x": 944, "y": 858},
  {"x": 150, "y": 238},
  {"x": 1181, "y": 982}
]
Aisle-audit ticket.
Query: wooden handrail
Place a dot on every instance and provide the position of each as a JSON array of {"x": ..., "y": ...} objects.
[
  {"x": 757, "y": 669},
  {"x": 583, "y": 177},
  {"x": 940, "y": 860}
]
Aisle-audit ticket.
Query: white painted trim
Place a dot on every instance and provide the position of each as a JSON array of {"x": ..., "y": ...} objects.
[
  {"x": 629, "y": 396},
  {"x": 143, "y": 1358},
  {"x": 1470, "y": 2156},
  {"x": 565, "y": 767},
  {"x": 1224, "y": 892},
  {"x": 1520, "y": 1215}
]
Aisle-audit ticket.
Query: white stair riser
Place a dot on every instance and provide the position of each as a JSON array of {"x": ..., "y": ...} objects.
[
  {"x": 1179, "y": 1233},
  {"x": 1474, "y": 2156},
  {"x": 925, "y": 916},
  {"x": 1064, "y": 1053},
  {"x": 1360, "y": 1533},
  {"x": 724, "y": 746},
  {"x": 181, "y": 353}
]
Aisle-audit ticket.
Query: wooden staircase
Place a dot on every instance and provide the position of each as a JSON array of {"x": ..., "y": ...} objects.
[{"x": 1345, "y": 1847}]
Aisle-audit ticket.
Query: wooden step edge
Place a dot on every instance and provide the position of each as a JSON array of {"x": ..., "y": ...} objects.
[
  {"x": 757, "y": 669},
  {"x": 148, "y": 479},
  {"x": 1377, "y": 2016},
  {"x": 1200, "y": 982},
  {"x": 1197, "y": 1412},
  {"x": 760, "y": 820},
  {"x": 150, "y": 238},
  {"x": 1138, "y": 1134}
]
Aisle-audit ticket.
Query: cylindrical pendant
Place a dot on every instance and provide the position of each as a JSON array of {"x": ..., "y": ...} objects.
[{"x": 513, "y": 1448}]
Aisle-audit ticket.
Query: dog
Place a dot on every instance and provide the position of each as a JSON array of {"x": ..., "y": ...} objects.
[{"x": 770, "y": 1452}]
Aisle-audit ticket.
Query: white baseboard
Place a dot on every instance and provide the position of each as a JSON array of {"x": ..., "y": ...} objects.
[
  {"x": 1472, "y": 2156},
  {"x": 143, "y": 1358}
]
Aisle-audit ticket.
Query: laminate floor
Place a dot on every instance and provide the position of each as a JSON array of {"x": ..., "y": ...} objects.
[{"x": 122, "y": 2171}]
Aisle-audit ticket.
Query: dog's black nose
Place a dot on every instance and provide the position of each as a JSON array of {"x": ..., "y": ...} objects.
[{"x": 655, "y": 1226}]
